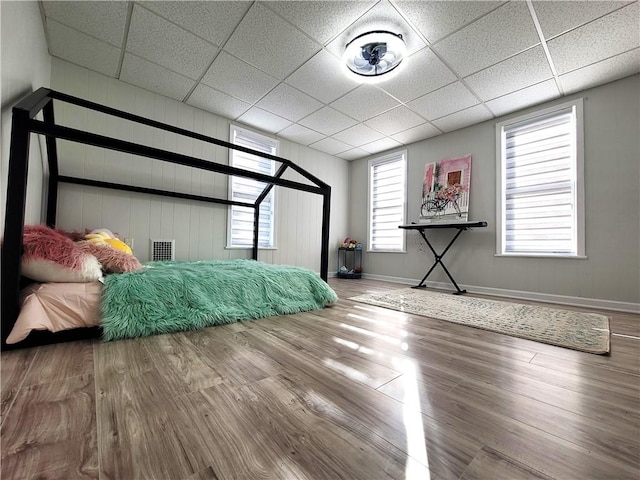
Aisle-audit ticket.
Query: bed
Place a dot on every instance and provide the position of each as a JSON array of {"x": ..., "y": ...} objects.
[
  {"x": 13, "y": 295},
  {"x": 167, "y": 297}
]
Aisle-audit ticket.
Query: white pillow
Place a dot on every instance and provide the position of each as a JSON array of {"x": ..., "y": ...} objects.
[
  {"x": 49, "y": 256},
  {"x": 43, "y": 270}
]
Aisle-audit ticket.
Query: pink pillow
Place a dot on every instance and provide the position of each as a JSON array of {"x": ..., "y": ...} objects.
[
  {"x": 73, "y": 235},
  {"x": 51, "y": 257},
  {"x": 112, "y": 259},
  {"x": 56, "y": 307}
]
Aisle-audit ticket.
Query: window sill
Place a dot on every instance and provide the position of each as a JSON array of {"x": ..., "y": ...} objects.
[
  {"x": 386, "y": 251},
  {"x": 241, "y": 247},
  {"x": 541, "y": 255}
]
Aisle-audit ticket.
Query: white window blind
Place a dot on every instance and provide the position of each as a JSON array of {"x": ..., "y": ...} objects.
[
  {"x": 540, "y": 185},
  {"x": 247, "y": 190},
  {"x": 387, "y": 205}
]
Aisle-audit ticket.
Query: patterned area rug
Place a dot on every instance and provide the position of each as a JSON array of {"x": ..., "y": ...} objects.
[{"x": 587, "y": 332}]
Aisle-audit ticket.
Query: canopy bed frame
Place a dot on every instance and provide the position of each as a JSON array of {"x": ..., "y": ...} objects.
[{"x": 24, "y": 124}]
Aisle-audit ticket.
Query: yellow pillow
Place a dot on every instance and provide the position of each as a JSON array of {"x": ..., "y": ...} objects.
[{"x": 119, "y": 245}]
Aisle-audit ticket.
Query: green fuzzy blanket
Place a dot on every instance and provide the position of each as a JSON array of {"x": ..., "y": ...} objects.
[{"x": 176, "y": 296}]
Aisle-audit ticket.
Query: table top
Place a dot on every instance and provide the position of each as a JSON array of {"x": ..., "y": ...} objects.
[{"x": 458, "y": 225}]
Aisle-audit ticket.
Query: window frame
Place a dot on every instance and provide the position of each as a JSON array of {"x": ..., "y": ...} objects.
[
  {"x": 387, "y": 158},
  {"x": 275, "y": 144},
  {"x": 576, "y": 106}
]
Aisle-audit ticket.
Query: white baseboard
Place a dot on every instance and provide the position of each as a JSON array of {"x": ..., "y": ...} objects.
[
  {"x": 386, "y": 278},
  {"x": 534, "y": 296}
]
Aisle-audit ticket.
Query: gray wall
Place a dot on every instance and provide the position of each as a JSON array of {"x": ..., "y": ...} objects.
[
  {"x": 612, "y": 189},
  {"x": 198, "y": 228},
  {"x": 26, "y": 66}
]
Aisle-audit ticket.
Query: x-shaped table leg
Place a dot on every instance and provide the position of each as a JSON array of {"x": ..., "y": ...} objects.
[{"x": 438, "y": 260}]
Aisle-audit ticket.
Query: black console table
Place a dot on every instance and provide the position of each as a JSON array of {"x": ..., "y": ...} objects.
[
  {"x": 460, "y": 226},
  {"x": 351, "y": 260}
]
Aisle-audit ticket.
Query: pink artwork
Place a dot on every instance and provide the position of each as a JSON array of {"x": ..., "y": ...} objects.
[{"x": 445, "y": 190}]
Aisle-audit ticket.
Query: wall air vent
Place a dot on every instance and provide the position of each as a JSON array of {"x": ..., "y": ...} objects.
[{"x": 162, "y": 250}]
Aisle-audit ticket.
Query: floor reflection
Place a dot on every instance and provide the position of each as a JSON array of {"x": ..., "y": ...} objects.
[
  {"x": 369, "y": 333},
  {"x": 346, "y": 370},
  {"x": 412, "y": 418}
]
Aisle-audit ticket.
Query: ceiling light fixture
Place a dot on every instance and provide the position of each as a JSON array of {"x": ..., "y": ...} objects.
[{"x": 374, "y": 55}]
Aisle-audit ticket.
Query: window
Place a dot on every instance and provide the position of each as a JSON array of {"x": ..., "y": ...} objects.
[
  {"x": 540, "y": 183},
  {"x": 240, "y": 231},
  {"x": 387, "y": 205}
]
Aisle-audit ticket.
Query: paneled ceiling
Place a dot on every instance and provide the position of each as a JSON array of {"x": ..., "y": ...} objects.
[{"x": 276, "y": 65}]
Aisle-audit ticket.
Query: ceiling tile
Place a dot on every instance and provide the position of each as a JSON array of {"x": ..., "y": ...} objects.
[
  {"x": 78, "y": 48},
  {"x": 395, "y": 121},
  {"x": 353, "y": 154},
  {"x": 526, "y": 97},
  {"x": 153, "y": 77},
  {"x": 416, "y": 134},
  {"x": 323, "y": 77},
  {"x": 217, "y": 102},
  {"x": 462, "y": 119},
  {"x": 266, "y": 41},
  {"x": 381, "y": 145},
  {"x": 331, "y": 146},
  {"x": 358, "y": 135},
  {"x": 102, "y": 20},
  {"x": 162, "y": 42},
  {"x": 586, "y": 45},
  {"x": 289, "y": 103},
  {"x": 213, "y": 21},
  {"x": 381, "y": 17},
  {"x": 299, "y": 134},
  {"x": 264, "y": 120},
  {"x": 605, "y": 71},
  {"x": 239, "y": 79},
  {"x": 321, "y": 20},
  {"x": 443, "y": 102},
  {"x": 558, "y": 17},
  {"x": 494, "y": 37},
  {"x": 276, "y": 71},
  {"x": 365, "y": 102},
  {"x": 327, "y": 121},
  {"x": 515, "y": 73},
  {"x": 421, "y": 73},
  {"x": 435, "y": 20}
]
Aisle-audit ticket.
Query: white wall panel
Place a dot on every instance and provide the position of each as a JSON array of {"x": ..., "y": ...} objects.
[
  {"x": 206, "y": 231},
  {"x": 199, "y": 228},
  {"x": 92, "y": 208},
  {"x": 153, "y": 223},
  {"x": 139, "y": 225},
  {"x": 194, "y": 231},
  {"x": 181, "y": 223},
  {"x": 94, "y": 167},
  {"x": 26, "y": 66},
  {"x": 75, "y": 154},
  {"x": 70, "y": 207},
  {"x": 116, "y": 212},
  {"x": 167, "y": 212}
]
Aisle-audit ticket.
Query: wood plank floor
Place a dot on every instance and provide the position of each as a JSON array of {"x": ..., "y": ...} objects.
[{"x": 348, "y": 392}]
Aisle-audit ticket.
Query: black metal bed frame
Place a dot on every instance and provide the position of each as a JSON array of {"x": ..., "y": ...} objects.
[{"x": 24, "y": 123}]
